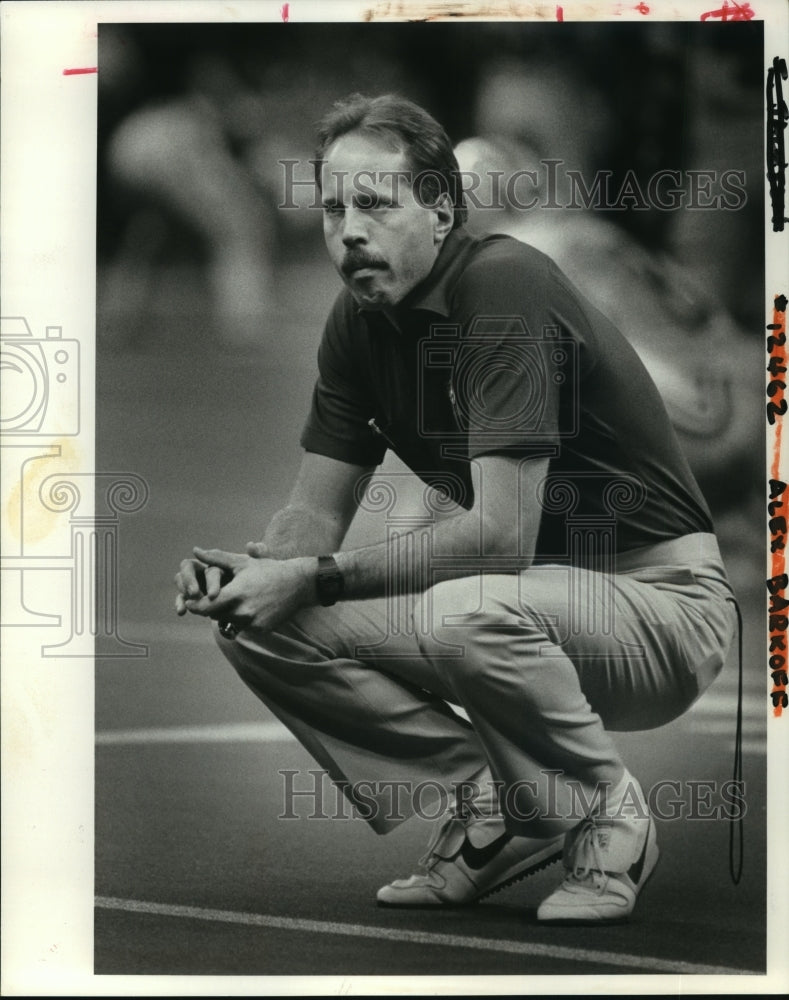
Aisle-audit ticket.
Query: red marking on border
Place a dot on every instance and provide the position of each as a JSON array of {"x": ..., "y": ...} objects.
[
  {"x": 777, "y": 327},
  {"x": 777, "y": 354},
  {"x": 641, "y": 8},
  {"x": 778, "y": 568},
  {"x": 80, "y": 70},
  {"x": 730, "y": 11},
  {"x": 285, "y": 12},
  {"x": 776, "y": 466},
  {"x": 559, "y": 14}
]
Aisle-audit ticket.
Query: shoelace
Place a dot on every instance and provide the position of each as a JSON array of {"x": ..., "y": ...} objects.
[
  {"x": 440, "y": 834},
  {"x": 587, "y": 859}
]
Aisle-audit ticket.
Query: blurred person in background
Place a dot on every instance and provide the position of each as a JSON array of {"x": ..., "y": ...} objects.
[
  {"x": 174, "y": 161},
  {"x": 532, "y": 115},
  {"x": 194, "y": 127},
  {"x": 506, "y": 621},
  {"x": 670, "y": 300}
]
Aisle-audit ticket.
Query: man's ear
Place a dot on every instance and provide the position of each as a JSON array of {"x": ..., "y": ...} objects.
[{"x": 444, "y": 217}]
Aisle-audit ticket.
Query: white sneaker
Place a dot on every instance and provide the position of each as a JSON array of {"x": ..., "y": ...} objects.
[
  {"x": 608, "y": 861},
  {"x": 467, "y": 859}
]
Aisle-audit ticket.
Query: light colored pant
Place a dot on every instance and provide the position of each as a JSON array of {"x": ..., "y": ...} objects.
[{"x": 543, "y": 662}]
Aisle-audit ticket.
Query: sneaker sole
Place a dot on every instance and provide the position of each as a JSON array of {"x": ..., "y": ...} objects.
[{"x": 531, "y": 867}]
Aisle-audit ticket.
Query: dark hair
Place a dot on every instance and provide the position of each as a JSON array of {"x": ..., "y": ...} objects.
[{"x": 400, "y": 122}]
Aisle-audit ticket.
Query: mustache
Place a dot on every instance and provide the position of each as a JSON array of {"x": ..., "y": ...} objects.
[{"x": 356, "y": 258}]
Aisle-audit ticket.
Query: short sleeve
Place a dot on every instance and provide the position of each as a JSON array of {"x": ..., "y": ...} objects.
[
  {"x": 338, "y": 421},
  {"x": 514, "y": 361}
]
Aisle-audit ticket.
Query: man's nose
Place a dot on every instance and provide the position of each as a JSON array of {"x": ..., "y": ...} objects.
[{"x": 354, "y": 228}]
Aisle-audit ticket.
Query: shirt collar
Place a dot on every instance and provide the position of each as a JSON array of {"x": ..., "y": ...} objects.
[{"x": 433, "y": 294}]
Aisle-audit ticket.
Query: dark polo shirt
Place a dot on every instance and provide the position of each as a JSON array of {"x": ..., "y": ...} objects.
[{"x": 497, "y": 352}]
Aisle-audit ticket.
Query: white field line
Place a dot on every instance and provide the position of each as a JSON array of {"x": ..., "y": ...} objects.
[
  {"x": 230, "y": 732},
  {"x": 526, "y": 948}
]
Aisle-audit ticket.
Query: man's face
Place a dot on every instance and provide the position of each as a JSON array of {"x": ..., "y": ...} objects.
[{"x": 380, "y": 238}]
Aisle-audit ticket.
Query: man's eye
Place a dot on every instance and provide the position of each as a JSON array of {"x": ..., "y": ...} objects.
[
  {"x": 333, "y": 209},
  {"x": 368, "y": 201}
]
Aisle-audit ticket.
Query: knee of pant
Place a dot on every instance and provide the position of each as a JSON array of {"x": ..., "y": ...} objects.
[
  {"x": 432, "y": 613},
  {"x": 455, "y": 615}
]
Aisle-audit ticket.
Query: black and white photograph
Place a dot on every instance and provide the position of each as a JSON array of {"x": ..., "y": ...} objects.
[{"x": 394, "y": 535}]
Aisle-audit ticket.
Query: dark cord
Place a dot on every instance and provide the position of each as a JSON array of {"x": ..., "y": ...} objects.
[{"x": 736, "y": 839}]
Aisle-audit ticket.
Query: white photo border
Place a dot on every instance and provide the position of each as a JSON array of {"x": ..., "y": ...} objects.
[{"x": 49, "y": 86}]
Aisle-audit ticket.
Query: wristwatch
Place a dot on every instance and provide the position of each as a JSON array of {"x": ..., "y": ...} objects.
[{"x": 329, "y": 581}]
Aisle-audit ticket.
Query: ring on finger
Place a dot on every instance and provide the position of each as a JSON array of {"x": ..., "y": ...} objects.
[{"x": 228, "y": 630}]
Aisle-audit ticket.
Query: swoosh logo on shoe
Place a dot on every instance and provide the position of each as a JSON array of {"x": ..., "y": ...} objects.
[
  {"x": 636, "y": 870},
  {"x": 477, "y": 857}
]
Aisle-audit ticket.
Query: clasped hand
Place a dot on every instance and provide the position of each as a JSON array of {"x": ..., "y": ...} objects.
[{"x": 247, "y": 590}]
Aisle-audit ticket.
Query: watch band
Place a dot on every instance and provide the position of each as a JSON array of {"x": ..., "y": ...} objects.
[{"x": 329, "y": 582}]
